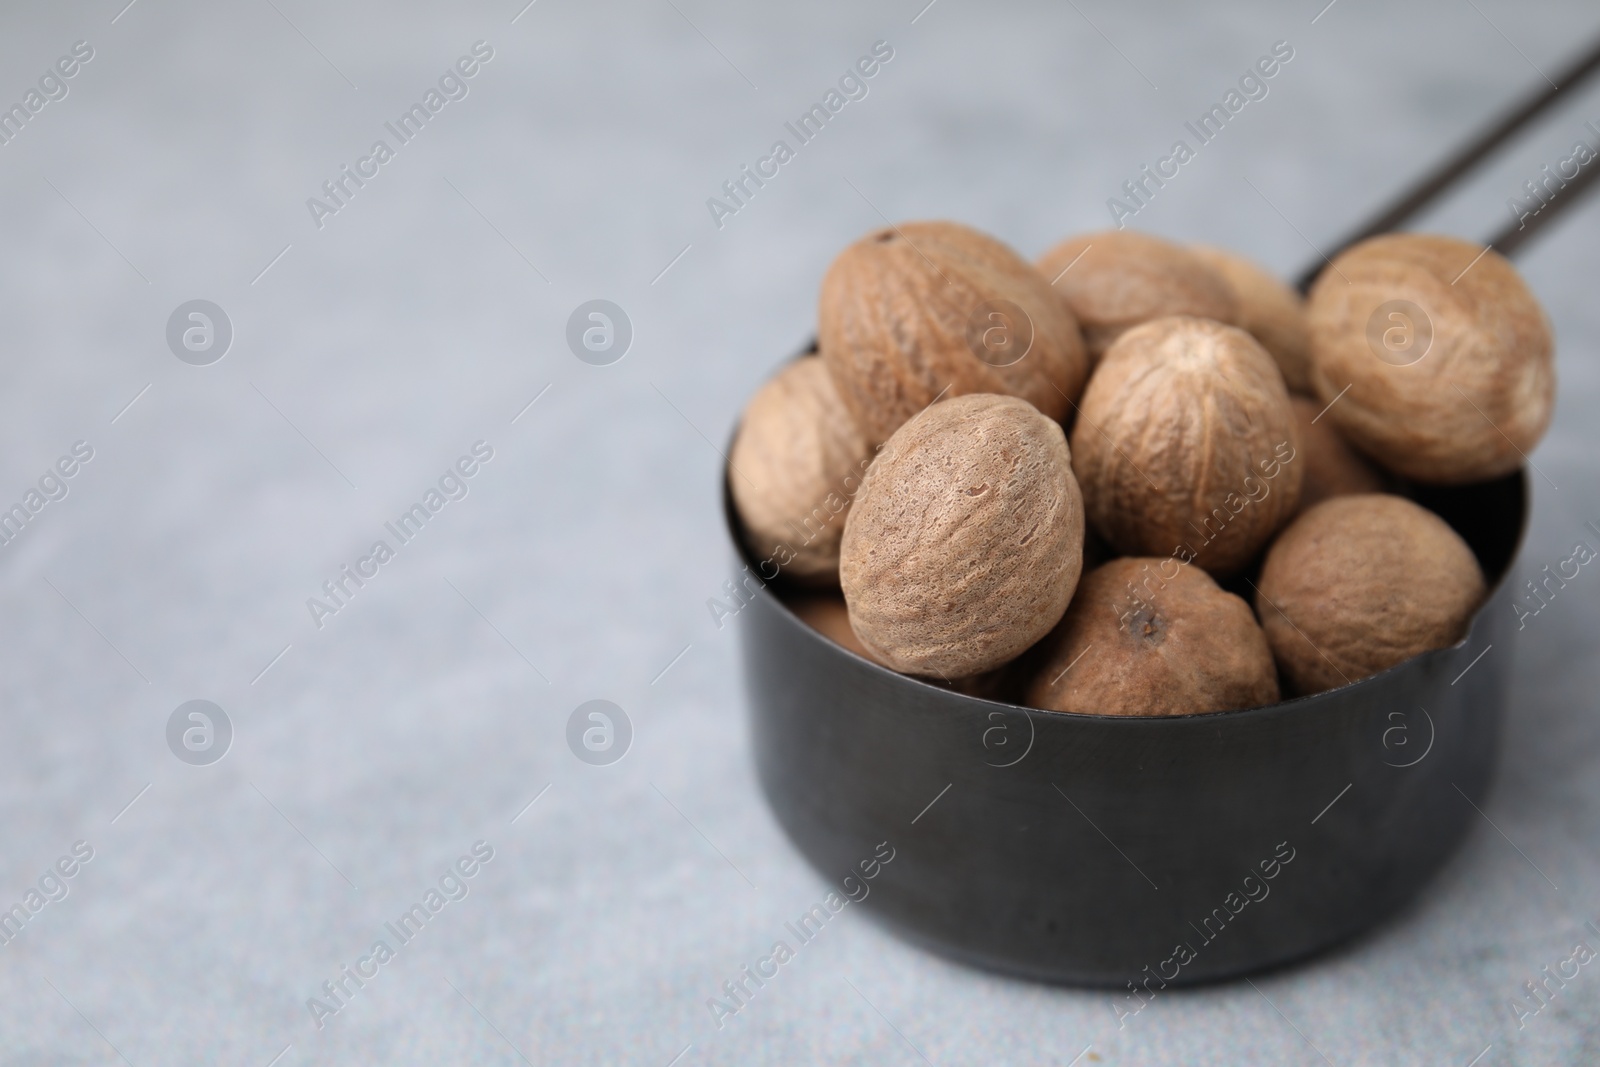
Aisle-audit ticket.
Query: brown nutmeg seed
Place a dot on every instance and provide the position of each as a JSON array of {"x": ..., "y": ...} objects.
[
  {"x": 1332, "y": 467},
  {"x": 924, "y": 309},
  {"x": 826, "y": 613},
  {"x": 1361, "y": 583},
  {"x": 796, "y": 461},
  {"x": 1154, "y": 637},
  {"x": 1446, "y": 357},
  {"x": 1270, "y": 311},
  {"x": 1116, "y": 279},
  {"x": 965, "y": 541},
  {"x": 1186, "y": 444}
]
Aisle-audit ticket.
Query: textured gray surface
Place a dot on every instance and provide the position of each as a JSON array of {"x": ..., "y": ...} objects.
[{"x": 416, "y": 321}]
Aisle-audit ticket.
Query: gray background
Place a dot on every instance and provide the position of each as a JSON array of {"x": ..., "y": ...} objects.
[{"x": 422, "y": 718}]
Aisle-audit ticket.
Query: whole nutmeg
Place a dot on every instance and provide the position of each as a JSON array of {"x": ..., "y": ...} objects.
[
  {"x": 1186, "y": 444},
  {"x": 796, "y": 460},
  {"x": 928, "y": 309},
  {"x": 1117, "y": 279},
  {"x": 826, "y": 613},
  {"x": 1273, "y": 313},
  {"x": 1154, "y": 637},
  {"x": 966, "y": 540},
  {"x": 1361, "y": 583},
  {"x": 1446, "y": 356},
  {"x": 1331, "y": 466}
]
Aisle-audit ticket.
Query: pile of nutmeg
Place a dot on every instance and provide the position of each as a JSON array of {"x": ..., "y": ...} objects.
[{"x": 1138, "y": 478}]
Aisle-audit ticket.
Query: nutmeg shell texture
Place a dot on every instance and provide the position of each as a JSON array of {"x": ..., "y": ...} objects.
[
  {"x": 965, "y": 541},
  {"x": 796, "y": 461},
  {"x": 1445, "y": 353},
  {"x": 1116, "y": 279},
  {"x": 912, "y": 312},
  {"x": 1361, "y": 583},
  {"x": 1186, "y": 444},
  {"x": 1154, "y": 637}
]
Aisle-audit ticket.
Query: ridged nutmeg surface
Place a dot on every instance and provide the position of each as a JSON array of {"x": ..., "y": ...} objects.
[
  {"x": 1270, "y": 311},
  {"x": 1116, "y": 279},
  {"x": 1186, "y": 444},
  {"x": 1154, "y": 637},
  {"x": 914, "y": 311},
  {"x": 965, "y": 542},
  {"x": 1361, "y": 583},
  {"x": 796, "y": 460},
  {"x": 1446, "y": 356}
]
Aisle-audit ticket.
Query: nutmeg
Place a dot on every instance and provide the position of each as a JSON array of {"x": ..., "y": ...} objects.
[
  {"x": 797, "y": 459},
  {"x": 1331, "y": 466},
  {"x": 1361, "y": 583},
  {"x": 826, "y": 613},
  {"x": 1273, "y": 313},
  {"x": 1116, "y": 279},
  {"x": 1154, "y": 637},
  {"x": 965, "y": 541},
  {"x": 912, "y": 312},
  {"x": 1186, "y": 444},
  {"x": 1444, "y": 352}
]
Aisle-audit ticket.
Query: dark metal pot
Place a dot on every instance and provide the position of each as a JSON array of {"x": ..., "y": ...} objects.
[{"x": 1102, "y": 851}]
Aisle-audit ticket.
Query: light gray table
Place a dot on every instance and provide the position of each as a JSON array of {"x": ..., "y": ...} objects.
[{"x": 372, "y": 351}]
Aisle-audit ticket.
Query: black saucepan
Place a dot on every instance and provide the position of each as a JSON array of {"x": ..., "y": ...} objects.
[{"x": 1102, "y": 851}]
